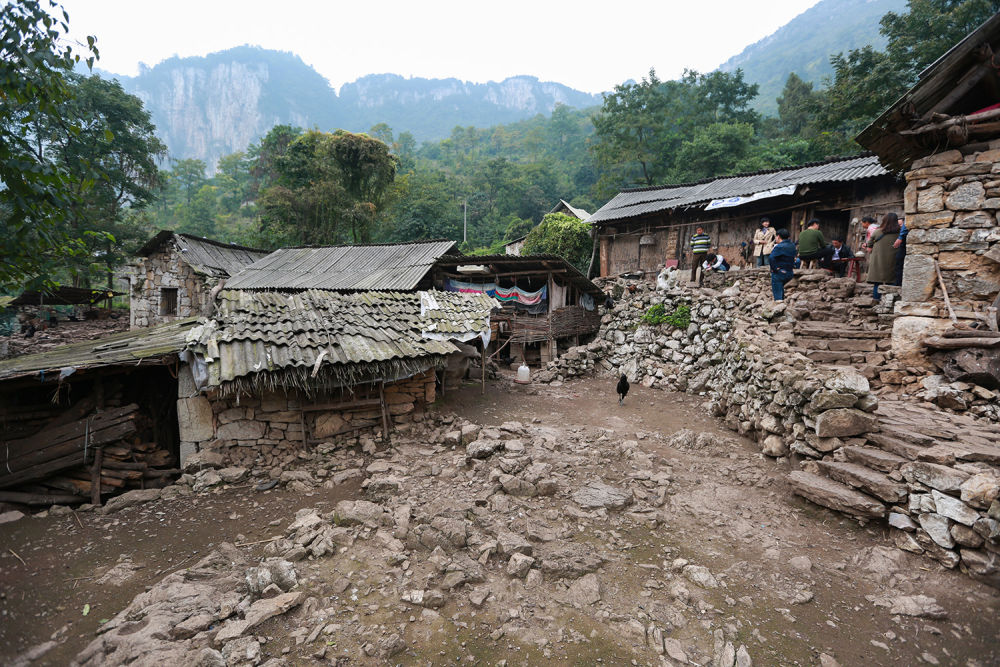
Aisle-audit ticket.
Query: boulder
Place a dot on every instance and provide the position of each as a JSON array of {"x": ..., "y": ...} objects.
[
  {"x": 942, "y": 478},
  {"x": 363, "y": 512},
  {"x": 845, "y": 422},
  {"x": 202, "y": 460},
  {"x": 597, "y": 494},
  {"x": 482, "y": 448}
]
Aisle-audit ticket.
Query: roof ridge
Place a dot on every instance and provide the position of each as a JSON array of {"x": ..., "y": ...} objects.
[
  {"x": 364, "y": 245},
  {"x": 710, "y": 179},
  {"x": 220, "y": 244}
]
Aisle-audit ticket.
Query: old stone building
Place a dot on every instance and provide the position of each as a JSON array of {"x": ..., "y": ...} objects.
[
  {"x": 174, "y": 274},
  {"x": 943, "y": 133}
]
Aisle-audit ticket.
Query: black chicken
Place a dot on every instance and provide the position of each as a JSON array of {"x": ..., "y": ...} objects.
[{"x": 622, "y": 389}]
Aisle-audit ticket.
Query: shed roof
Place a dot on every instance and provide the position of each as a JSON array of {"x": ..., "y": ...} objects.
[
  {"x": 391, "y": 266},
  {"x": 125, "y": 348},
  {"x": 641, "y": 201},
  {"x": 206, "y": 256},
  {"x": 541, "y": 264},
  {"x": 947, "y": 86},
  {"x": 577, "y": 212},
  {"x": 332, "y": 337}
]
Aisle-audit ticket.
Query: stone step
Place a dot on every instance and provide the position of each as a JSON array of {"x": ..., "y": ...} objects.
[
  {"x": 830, "y": 330},
  {"x": 895, "y": 445},
  {"x": 873, "y": 458},
  {"x": 827, "y": 357},
  {"x": 865, "y": 479},
  {"x": 834, "y": 495},
  {"x": 837, "y": 345}
]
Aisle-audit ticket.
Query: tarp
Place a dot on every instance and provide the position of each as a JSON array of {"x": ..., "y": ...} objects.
[{"x": 746, "y": 199}]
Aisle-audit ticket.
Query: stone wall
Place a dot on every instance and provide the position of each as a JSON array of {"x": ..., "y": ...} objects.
[
  {"x": 272, "y": 428},
  {"x": 732, "y": 352},
  {"x": 951, "y": 202},
  {"x": 166, "y": 269}
]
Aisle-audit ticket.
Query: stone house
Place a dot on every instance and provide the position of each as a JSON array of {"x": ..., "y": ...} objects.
[
  {"x": 267, "y": 375},
  {"x": 174, "y": 274},
  {"x": 944, "y": 133},
  {"x": 643, "y": 229},
  {"x": 547, "y": 303}
]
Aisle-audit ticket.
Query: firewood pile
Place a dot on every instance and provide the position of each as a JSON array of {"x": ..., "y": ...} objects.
[{"x": 80, "y": 457}]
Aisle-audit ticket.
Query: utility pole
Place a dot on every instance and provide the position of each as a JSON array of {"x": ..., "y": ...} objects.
[{"x": 465, "y": 221}]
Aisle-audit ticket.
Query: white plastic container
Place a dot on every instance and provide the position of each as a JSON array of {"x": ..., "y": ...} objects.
[{"x": 523, "y": 374}]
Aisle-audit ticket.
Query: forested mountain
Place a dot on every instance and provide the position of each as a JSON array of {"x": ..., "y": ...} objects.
[
  {"x": 207, "y": 107},
  {"x": 804, "y": 45}
]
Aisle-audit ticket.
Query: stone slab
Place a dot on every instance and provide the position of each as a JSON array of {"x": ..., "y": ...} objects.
[
  {"x": 834, "y": 495},
  {"x": 866, "y": 479}
]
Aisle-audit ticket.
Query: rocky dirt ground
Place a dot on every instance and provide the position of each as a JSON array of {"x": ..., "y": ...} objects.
[{"x": 532, "y": 525}]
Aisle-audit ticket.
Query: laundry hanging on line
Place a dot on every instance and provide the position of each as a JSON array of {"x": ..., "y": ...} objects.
[{"x": 515, "y": 294}]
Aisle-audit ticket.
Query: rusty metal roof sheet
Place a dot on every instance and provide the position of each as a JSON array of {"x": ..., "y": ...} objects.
[
  {"x": 541, "y": 263},
  {"x": 206, "y": 256},
  {"x": 125, "y": 348},
  {"x": 398, "y": 266},
  {"x": 314, "y": 329},
  {"x": 642, "y": 201}
]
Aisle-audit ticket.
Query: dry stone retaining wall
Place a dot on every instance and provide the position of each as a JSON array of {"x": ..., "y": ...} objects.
[
  {"x": 272, "y": 428},
  {"x": 729, "y": 351}
]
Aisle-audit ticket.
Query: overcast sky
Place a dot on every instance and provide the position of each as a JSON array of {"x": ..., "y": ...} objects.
[{"x": 587, "y": 45}]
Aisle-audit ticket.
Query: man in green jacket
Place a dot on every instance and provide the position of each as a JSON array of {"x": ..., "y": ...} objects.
[{"x": 812, "y": 245}]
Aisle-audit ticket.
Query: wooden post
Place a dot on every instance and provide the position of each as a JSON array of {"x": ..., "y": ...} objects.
[
  {"x": 95, "y": 478},
  {"x": 385, "y": 412},
  {"x": 482, "y": 358}
]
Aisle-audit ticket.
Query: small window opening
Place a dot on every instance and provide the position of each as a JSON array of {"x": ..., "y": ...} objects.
[{"x": 168, "y": 301}]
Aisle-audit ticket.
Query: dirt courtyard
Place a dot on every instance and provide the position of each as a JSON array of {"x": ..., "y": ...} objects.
[{"x": 711, "y": 552}]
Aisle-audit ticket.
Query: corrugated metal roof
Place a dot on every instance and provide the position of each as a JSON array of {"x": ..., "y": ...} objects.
[
  {"x": 271, "y": 331},
  {"x": 349, "y": 267},
  {"x": 540, "y": 263},
  {"x": 206, "y": 256},
  {"x": 577, "y": 212},
  {"x": 127, "y": 347},
  {"x": 641, "y": 201}
]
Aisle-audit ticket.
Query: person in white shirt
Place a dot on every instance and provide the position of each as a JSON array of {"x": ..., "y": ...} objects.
[{"x": 714, "y": 263}]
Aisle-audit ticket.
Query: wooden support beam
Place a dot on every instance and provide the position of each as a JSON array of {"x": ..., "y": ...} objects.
[{"x": 95, "y": 476}]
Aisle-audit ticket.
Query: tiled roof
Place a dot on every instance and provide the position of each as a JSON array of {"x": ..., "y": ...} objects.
[
  {"x": 206, "y": 256},
  {"x": 642, "y": 201},
  {"x": 127, "y": 347},
  {"x": 318, "y": 329},
  {"x": 578, "y": 212},
  {"x": 398, "y": 266}
]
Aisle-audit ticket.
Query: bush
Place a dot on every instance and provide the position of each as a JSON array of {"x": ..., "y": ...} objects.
[{"x": 657, "y": 315}]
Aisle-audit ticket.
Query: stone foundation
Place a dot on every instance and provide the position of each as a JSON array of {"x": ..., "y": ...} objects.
[{"x": 272, "y": 428}]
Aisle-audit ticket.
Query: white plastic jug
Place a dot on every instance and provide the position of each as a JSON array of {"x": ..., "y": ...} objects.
[{"x": 523, "y": 373}]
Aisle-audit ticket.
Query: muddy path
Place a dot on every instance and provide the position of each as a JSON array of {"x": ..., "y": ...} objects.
[{"x": 715, "y": 550}]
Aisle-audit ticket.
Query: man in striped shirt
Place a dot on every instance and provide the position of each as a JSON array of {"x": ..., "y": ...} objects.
[{"x": 701, "y": 243}]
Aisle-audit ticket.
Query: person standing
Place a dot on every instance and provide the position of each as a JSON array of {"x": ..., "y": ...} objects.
[
  {"x": 900, "y": 246},
  {"x": 869, "y": 226},
  {"x": 782, "y": 264},
  {"x": 763, "y": 242},
  {"x": 701, "y": 243},
  {"x": 882, "y": 262}
]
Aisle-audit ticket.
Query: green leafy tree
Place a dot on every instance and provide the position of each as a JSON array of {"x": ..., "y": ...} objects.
[
  {"x": 563, "y": 235},
  {"x": 797, "y": 105},
  {"x": 35, "y": 62},
  {"x": 327, "y": 188},
  {"x": 112, "y": 155}
]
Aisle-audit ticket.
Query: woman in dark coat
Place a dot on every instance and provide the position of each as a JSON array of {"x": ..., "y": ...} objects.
[{"x": 882, "y": 261}]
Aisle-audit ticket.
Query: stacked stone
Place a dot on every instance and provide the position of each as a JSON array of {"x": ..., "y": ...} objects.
[
  {"x": 271, "y": 429},
  {"x": 951, "y": 513},
  {"x": 165, "y": 269},
  {"x": 757, "y": 383},
  {"x": 951, "y": 202}
]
